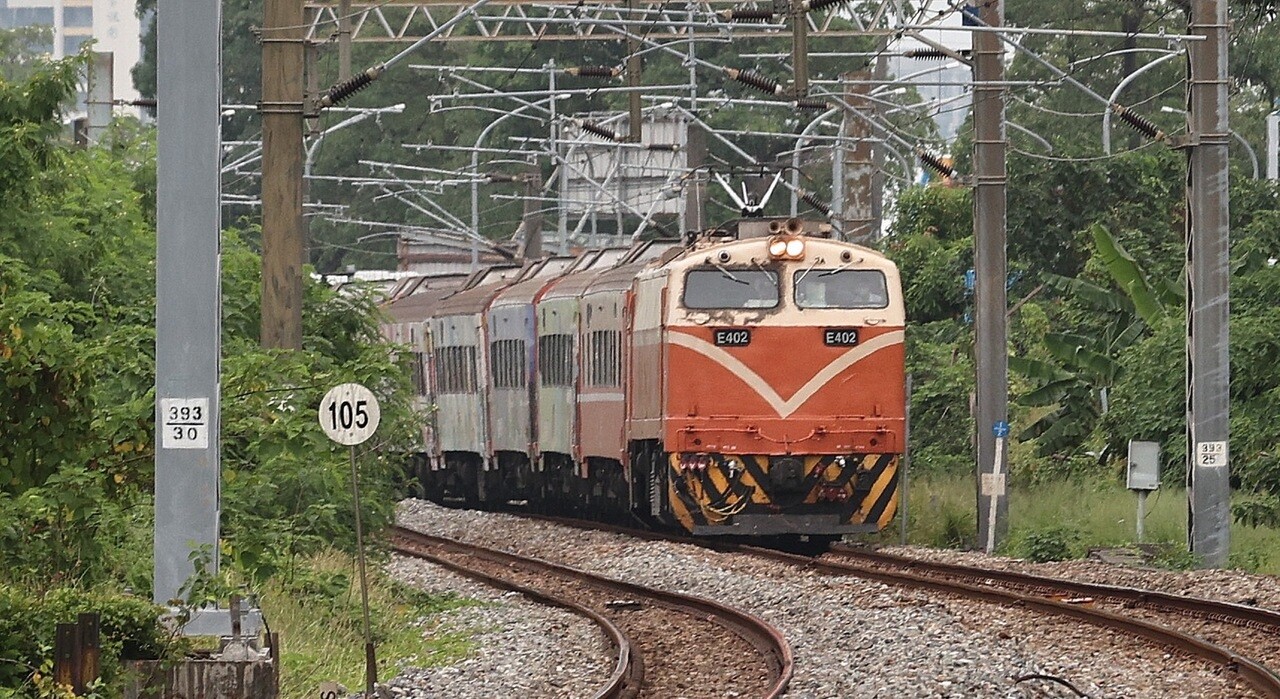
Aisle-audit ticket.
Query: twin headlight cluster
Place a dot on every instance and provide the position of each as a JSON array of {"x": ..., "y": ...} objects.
[{"x": 785, "y": 247}]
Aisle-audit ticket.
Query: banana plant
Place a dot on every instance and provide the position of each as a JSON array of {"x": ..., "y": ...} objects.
[{"x": 1081, "y": 369}]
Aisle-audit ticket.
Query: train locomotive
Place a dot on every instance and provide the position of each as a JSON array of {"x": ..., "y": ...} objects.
[{"x": 749, "y": 381}]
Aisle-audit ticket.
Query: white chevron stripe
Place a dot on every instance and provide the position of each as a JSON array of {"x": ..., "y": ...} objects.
[{"x": 786, "y": 407}]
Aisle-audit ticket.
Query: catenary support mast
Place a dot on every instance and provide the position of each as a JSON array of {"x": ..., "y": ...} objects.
[
  {"x": 1208, "y": 273},
  {"x": 992, "y": 407}
]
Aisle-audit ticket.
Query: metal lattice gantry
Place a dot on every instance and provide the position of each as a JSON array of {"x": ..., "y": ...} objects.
[{"x": 561, "y": 20}]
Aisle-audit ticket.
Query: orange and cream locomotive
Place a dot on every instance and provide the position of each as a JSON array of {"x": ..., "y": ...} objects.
[{"x": 750, "y": 382}]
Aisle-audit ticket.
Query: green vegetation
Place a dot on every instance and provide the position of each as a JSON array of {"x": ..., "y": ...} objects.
[
  {"x": 1062, "y": 519},
  {"x": 77, "y": 260},
  {"x": 1095, "y": 335},
  {"x": 318, "y": 606}
]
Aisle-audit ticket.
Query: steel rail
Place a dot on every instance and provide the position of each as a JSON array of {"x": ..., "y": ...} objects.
[
  {"x": 760, "y": 634},
  {"x": 1226, "y": 612},
  {"x": 1259, "y": 677},
  {"x": 628, "y": 671},
  {"x": 1256, "y": 675}
]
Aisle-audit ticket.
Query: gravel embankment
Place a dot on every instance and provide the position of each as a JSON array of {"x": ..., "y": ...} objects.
[
  {"x": 1223, "y": 585},
  {"x": 850, "y": 637},
  {"x": 521, "y": 649}
]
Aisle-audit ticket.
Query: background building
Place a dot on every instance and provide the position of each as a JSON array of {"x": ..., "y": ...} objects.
[{"x": 112, "y": 22}]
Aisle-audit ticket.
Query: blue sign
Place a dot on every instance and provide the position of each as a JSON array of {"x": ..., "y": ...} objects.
[
  {"x": 970, "y": 279},
  {"x": 1001, "y": 429}
]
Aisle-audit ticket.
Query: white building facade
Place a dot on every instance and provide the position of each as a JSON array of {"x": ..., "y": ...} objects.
[{"x": 113, "y": 23}]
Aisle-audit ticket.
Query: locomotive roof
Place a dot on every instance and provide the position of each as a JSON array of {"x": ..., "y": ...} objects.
[{"x": 749, "y": 250}]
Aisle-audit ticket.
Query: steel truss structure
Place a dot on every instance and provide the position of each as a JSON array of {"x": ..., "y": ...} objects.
[{"x": 510, "y": 20}]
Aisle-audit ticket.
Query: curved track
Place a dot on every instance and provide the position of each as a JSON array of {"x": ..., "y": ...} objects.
[
  {"x": 1211, "y": 622},
  {"x": 668, "y": 644},
  {"x": 1043, "y": 595}
]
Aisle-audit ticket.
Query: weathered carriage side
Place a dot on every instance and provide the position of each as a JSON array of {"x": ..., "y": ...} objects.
[
  {"x": 557, "y": 315},
  {"x": 406, "y": 325},
  {"x": 511, "y": 381},
  {"x": 602, "y": 456},
  {"x": 459, "y": 362}
]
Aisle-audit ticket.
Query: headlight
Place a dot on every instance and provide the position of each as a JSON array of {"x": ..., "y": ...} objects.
[{"x": 786, "y": 247}]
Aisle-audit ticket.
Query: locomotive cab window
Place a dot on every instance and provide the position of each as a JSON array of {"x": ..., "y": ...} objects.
[
  {"x": 730, "y": 288},
  {"x": 841, "y": 288}
]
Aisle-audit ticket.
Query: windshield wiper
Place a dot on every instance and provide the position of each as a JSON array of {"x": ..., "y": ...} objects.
[
  {"x": 806, "y": 272},
  {"x": 729, "y": 274}
]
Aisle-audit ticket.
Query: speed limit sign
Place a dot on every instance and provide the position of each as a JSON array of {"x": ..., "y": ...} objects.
[{"x": 349, "y": 414}]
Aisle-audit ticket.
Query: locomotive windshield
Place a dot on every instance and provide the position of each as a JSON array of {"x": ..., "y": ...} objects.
[
  {"x": 731, "y": 288},
  {"x": 841, "y": 288}
]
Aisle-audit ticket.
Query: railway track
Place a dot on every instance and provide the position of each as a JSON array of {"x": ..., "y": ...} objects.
[
  {"x": 1234, "y": 638},
  {"x": 667, "y": 644},
  {"x": 1238, "y": 638}
]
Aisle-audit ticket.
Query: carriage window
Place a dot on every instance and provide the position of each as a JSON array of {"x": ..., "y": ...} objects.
[
  {"x": 841, "y": 288},
  {"x": 508, "y": 363},
  {"x": 417, "y": 373},
  {"x": 555, "y": 359},
  {"x": 731, "y": 288},
  {"x": 606, "y": 359},
  {"x": 456, "y": 369}
]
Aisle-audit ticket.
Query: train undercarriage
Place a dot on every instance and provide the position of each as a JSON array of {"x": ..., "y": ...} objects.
[{"x": 705, "y": 494}]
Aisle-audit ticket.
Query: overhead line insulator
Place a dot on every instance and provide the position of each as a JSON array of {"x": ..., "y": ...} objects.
[
  {"x": 1138, "y": 122},
  {"x": 746, "y": 15},
  {"x": 754, "y": 79},
  {"x": 673, "y": 147},
  {"x": 929, "y": 54},
  {"x": 340, "y": 92},
  {"x": 819, "y": 5},
  {"x": 812, "y": 200},
  {"x": 934, "y": 162},
  {"x": 599, "y": 130},
  {"x": 812, "y": 103},
  {"x": 594, "y": 71}
]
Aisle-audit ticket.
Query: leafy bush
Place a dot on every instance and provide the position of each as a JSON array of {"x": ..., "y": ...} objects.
[
  {"x": 1044, "y": 545},
  {"x": 128, "y": 630}
]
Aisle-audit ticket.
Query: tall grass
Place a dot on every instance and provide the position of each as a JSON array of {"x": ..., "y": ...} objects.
[
  {"x": 317, "y": 611},
  {"x": 1080, "y": 514}
]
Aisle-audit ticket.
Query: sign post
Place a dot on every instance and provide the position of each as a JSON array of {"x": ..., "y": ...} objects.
[
  {"x": 994, "y": 483},
  {"x": 349, "y": 415},
  {"x": 1143, "y": 477}
]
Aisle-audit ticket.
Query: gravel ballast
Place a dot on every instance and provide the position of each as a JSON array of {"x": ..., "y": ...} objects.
[{"x": 850, "y": 637}]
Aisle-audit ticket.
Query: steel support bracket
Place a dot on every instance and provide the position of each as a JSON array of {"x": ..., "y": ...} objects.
[{"x": 1183, "y": 142}]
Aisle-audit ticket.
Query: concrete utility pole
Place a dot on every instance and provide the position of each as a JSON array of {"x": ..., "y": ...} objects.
[
  {"x": 989, "y": 263},
  {"x": 1208, "y": 275},
  {"x": 531, "y": 221},
  {"x": 634, "y": 66},
  {"x": 101, "y": 94},
  {"x": 188, "y": 292},
  {"x": 283, "y": 226},
  {"x": 800, "y": 48},
  {"x": 858, "y": 216},
  {"x": 695, "y": 190},
  {"x": 344, "y": 40}
]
